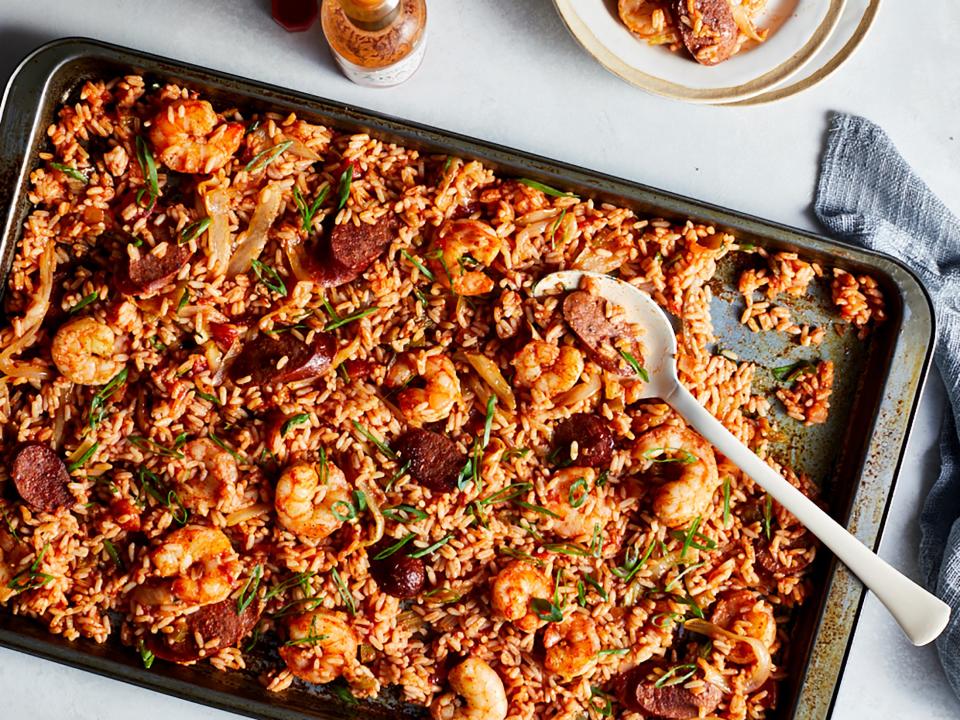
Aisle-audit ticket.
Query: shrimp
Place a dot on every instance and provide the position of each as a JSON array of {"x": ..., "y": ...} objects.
[
  {"x": 743, "y": 612},
  {"x": 547, "y": 368},
  {"x": 580, "y": 506},
  {"x": 691, "y": 461},
  {"x": 307, "y": 500},
  {"x": 189, "y": 137},
  {"x": 571, "y": 646},
  {"x": 465, "y": 247},
  {"x": 480, "y": 691},
  {"x": 203, "y": 562},
  {"x": 214, "y": 483},
  {"x": 436, "y": 399},
  {"x": 513, "y": 589},
  {"x": 83, "y": 351},
  {"x": 321, "y": 647}
]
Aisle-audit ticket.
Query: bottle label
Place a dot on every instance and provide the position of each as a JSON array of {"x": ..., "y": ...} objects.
[{"x": 385, "y": 76}]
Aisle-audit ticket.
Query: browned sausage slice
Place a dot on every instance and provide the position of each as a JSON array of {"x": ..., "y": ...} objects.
[
  {"x": 41, "y": 477},
  {"x": 435, "y": 462},
  {"x": 283, "y": 358},
  {"x": 219, "y": 622},
  {"x": 153, "y": 270},
  {"x": 350, "y": 249},
  {"x": 585, "y": 315},
  {"x": 671, "y": 702},
  {"x": 593, "y": 438},
  {"x": 716, "y": 38}
]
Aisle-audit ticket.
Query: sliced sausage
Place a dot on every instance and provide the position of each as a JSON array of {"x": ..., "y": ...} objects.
[
  {"x": 349, "y": 249},
  {"x": 435, "y": 462},
  {"x": 671, "y": 702},
  {"x": 153, "y": 270},
  {"x": 772, "y": 565},
  {"x": 283, "y": 358},
  {"x": 219, "y": 622},
  {"x": 716, "y": 38},
  {"x": 585, "y": 315},
  {"x": 398, "y": 574},
  {"x": 593, "y": 437},
  {"x": 41, "y": 477}
]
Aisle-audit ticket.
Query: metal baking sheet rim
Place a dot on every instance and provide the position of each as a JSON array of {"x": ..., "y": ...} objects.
[{"x": 907, "y": 366}]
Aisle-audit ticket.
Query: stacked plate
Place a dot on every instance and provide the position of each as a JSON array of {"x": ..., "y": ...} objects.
[{"x": 807, "y": 41}]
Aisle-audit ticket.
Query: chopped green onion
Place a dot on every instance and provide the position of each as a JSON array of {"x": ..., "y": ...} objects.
[
  {"x": 269, "y": 277},
  {"x": 381, "y": 445},
  {"x": 726, "y": 501},
  {"x": 635, "y": 364},
  {"x": 308, "y": 211},
  {"x": 699, "y": 541},
  {"x": 520, "y": 555},
  {"x": 148, "y": 444},
  {"x": 399, "y": 513},
  {"x": 670, "y": 677},
  {"x": 613, "y": 651},
  {"x": 300, "y": 419},
  {"x": 535, "y": 508},
  {"x": 207, "y": 396},
  {"x": 289, "y": 583},
  {"x": 510, "y": 492},
  {"x": 680, "y": 576},
  {"x": 70, "y": 172},
  {"x": 545, "y": 189},
  {"x": 555, "y": 225},
  {"x": 689, "y": 601},
  {"x": 516, "y": 452},
  {"x": 436, "y": 546},
  {"x": 345, "y": 593},
  {"x": 96, "y": 405},
  {"x": 344, "y": 694},
  {"x": 383, "y": 554},
  {"x": 265, "y": 157},
  {"x": 397, "y": 475},
  {"x": 607, "y": 709},
  {"x": 194, "y": 229},
  {"x": 334, "y": 324},
  {"x": 88, "y": 453},
  {"x": 630, "y": 568},
  {"x": 789, "y": 373},
  {"x": 149, "y": 168},
  {"x": 360, "y": 498},
  {"x": 419, "y": 265},
  {"x": 767, "y": 514},
  {"x": 32, "y": 577},
  {"x": 146, "y": 656},
  {"x": 84, "y": 301},
  {"x": 578, "y": 492},
  {"x": 546, "y": 610},
  {"x": 567, "y": 549},
  {"x": 653, "y": 455},
  {"x": 184, "y": 299},
  {"x": 223, "y": 446},
  {"x": 343, "y": 187},
  {"x": 688, "y": 537},
  {"x": 488, "y": 423},
  {"x": 308, "y": 640},
  {"x": 581, "y": 594},
  {"x": 112, "y": 552},
  {"x": 249, "y": 592},
  {"x": 595, "y": 584},
  {"x": 349, "y": 512}
]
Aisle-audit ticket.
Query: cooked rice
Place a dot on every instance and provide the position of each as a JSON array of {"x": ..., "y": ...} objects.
[
  {"x": 808, "y": 398},
  {"x": 91, "y": 570}
]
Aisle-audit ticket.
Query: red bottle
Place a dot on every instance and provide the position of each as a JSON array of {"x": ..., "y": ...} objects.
[{"x": 294, "y": 15}]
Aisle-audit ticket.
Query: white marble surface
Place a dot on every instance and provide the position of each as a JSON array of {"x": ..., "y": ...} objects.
[{"x": 507, "y": 71}]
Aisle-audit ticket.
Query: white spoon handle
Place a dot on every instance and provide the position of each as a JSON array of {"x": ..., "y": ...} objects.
[{"x": 921, "y": 615}]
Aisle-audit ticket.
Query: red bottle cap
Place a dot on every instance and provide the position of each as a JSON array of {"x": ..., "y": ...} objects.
[{"x": 294, "y": 15}]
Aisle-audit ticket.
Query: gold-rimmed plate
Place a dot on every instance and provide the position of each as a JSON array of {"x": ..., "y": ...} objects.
[{"x": 798, "y": 29}]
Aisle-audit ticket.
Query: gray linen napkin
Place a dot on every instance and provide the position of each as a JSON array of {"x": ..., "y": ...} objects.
[{"x": 867, "y": 195}]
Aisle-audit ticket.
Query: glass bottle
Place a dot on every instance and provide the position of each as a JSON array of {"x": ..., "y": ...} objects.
[{"x": 376, "y": 42}]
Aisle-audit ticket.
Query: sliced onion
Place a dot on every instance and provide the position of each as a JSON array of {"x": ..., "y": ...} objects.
[
  {"x": 219, "y": 239},
  {"x": 745, "y": 24},
  {"x": 37, "y": 310},
  {"x": 300, "y": 150},
  {"x": 247, "y": 513},
  {"x": 583, "y": 391},
  {"x": 299, "y": 264},
  {"x": 374, "y": 507},
  {"x": 490, "y": 373},
  {"x": 764, "y": 666},
  {"x": 252, "y": 240}
]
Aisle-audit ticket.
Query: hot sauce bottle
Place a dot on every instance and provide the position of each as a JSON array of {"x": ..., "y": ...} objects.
[{"x": 377, "y": 43}]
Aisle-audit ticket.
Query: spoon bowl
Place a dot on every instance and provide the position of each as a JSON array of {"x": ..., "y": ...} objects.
[{"x": 921, "y": 615}]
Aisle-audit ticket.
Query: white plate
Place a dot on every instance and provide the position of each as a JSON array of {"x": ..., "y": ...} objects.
[
  {"x": 857, "y": 19},
  {"x": 798, "y": 29}
]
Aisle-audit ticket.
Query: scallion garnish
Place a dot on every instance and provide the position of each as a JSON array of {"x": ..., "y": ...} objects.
[
  {"x": 223, "y": 446},
  {"x": 194, "y": 230},
  {"x": 265, "y": 157},
  {"x": 403, "y": 513},
  {"x": 419, "y": 265},
  {"x": 595, "y": 584},
  {"x": 81, "y": 461},
  {"x": 299, "y": 419},
  {"x": 613, "y": 651},
  {"x": 573, "y": 549},
  {"x": 432, "y": 548},
  {"x": 100, "y": 399},
  {"x": 269, "y": 277},
  {"x": 510, "y": 492},
  {"x": 545, "y": 189},
  {"x": 146, "y": 656},
  {"x": 656, "y": 455},
  {"x": 249, "y": 592},
  {"x": 632, "y": 564},
  {"x": 70, "y": 172},
  {"x": 343, "y": 187},
  {"x": 387, "y": 552},
  {"x": 148, "y": 166},
  {"x": 767, "y": 514},
  {"x": 556, "y": 224},
  {"x": 340, "y": 322},
  {"x": 308, "y": 640},
  {"x": 488, "y": 422},
  {"x": 31, "y": 578},
  {"x": 308, "y": 211},
  {"x": 343, "y": 511},
  {"x": 789, "y": 373},
  {"x": 635, "y": 364},
  {"x": 726, "y": 501},
  {"x": 681, "y": 575},
  {"x": 520, "y": 555},
  {"x": 546, "y": 610},
  {"x": 577, "y": 494},
  {"x": 381, "y": 445},
  {"x": 345, "y": 593},
  {"x": 112, "y": 552},
  {"x": 515, "y": 452},
  {"x": 84, "y": 301},
  {"x": 288, "y": 584},
  {"x": 184, "y": 299},
  {"x": 147, "y": 444},
  {"x": 671, "y": 676}
]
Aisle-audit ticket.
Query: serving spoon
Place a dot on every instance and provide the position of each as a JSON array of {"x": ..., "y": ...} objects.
[{"x": 921, "y": 615}]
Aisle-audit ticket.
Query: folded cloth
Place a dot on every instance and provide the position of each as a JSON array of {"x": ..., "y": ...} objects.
[{"x": 867, "y": 195}]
